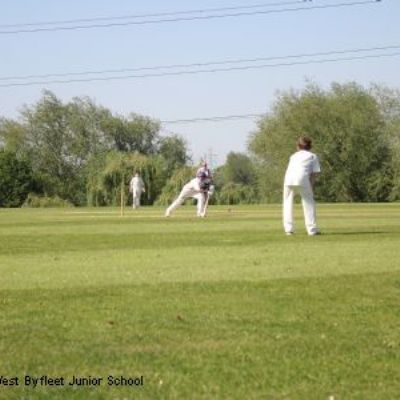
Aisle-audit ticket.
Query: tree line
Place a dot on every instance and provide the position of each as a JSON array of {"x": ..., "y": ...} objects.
[{"x": 80, "y": 153}]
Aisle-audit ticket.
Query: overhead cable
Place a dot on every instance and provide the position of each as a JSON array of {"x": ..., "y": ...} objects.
[
  {"x": 162, "y": 14},
  {"x": 181, "y": 19},
  {"x": 212, "y": 119},
  {"x": 198, "y": 71},
  {"x": 199, "y": 64}
]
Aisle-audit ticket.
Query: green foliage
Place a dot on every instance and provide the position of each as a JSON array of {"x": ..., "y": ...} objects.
[
  {"x": 236, "y": 181},
  {"x": 68, "y": 146},
  {"x": 174, "y": 151},
  {"x": 82, "y": 153},
  {"x": 239, "y": 169},
  {"x": 389, "y": 104},
  {"x": 35, "y": 201},
  {"x": 12, "y": 136},
  {"x": 16, "y": 179},
  {"x": 48, "y": 145},
  {"x": 134, "y": 134},
  {"x": 94, "y": 184},
  {"x": 348, "y": 131},
  {"x": 236, "y": 193},
  {"x": 115, "y": 172}
]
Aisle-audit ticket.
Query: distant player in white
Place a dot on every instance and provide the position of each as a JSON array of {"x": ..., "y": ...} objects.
[
  {"x": 198, "y": 188},
  {"x": 136, "y": 187},
  {"x": 300, "y": 178}
]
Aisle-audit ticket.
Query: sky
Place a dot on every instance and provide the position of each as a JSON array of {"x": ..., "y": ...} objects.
[{"x": 314, "y": 27}]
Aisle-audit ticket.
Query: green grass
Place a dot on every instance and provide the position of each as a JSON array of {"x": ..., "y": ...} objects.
[{"x": 222, "y": 308}]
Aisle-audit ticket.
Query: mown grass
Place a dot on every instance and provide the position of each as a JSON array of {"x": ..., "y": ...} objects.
[{"x": 222, "y": 308}]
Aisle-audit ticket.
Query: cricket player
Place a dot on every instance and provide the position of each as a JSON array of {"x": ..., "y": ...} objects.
[
  {"x": 300, "y": 177},
  {"x": 136, "y": 187},
  {"x": 202, "y": 205},
  {"x": 198, "y": 188}
]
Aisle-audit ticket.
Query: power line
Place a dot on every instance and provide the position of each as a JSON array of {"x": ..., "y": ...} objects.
[
  {"x": 181, "y": 19},
  {"x": 163, "y": 14},
  {"x": 212, "y": 119},
  {"x": 201, "y": 64},
  {"x": 192, "y": 72}
]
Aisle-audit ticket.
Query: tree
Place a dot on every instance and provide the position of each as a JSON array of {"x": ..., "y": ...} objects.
[
  {"x": 239, "y": 169},
  {"x": 12, "y": 136},
  {"x": 236, "y": 181},
  {"x": 65, "y": 143},
  {"x": 48, "y": 145},
  {"x": 389, "y": 104},
  {"x": 16, "y": 180},
  {"x": 134, "y": 134},
  {"x": 174, "y": 151},
  {"x": 106, "y": 181},
  {"x": 348, "y": 130},
  {"x": 236, "y": 193}
]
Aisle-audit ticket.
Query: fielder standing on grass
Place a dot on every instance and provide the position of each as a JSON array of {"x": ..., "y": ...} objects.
[
  {"x": 136, "y": 187},
  {"x": 198, "y": 188},
  {"x": 300, "y": 177}
]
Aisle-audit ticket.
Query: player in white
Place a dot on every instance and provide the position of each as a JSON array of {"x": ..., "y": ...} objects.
[
  {"x": 202, "y": 201},
  {"x": 136, "y": 187},
  {"x": 198, "y": 188},
  {"x": 300, "y": 178}
]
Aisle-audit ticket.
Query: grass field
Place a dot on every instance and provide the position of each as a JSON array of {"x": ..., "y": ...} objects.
[{"x": 226, "y": 307}]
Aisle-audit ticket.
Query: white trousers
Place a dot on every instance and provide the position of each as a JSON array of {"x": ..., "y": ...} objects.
[
  {"x": 201, "y": 203},
  {"x": 307, "y": 200},
  {"x": 136, "y": 193},
  {"x": 191, "y": 189}
]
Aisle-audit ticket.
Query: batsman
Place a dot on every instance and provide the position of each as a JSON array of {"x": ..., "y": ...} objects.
[{"x": 200, "y": 188}]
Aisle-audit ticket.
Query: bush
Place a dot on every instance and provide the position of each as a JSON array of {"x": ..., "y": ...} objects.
[
  {"x": 35, "y": 201},
  {"x": 236, "y": 193},
  {"x": 16, "y": 180}
]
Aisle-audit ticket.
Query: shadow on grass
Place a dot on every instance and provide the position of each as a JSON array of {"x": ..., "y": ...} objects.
[{"x": 356, "y": 233}]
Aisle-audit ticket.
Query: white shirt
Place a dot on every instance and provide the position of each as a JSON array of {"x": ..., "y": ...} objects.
[
  {"x": 301, "y": 165},
  {"x": 137, "y": 184},
  {"x": 194, "y": 184}
]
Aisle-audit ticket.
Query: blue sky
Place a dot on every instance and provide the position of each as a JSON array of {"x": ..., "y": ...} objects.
[{"x": 373, "y": 24}]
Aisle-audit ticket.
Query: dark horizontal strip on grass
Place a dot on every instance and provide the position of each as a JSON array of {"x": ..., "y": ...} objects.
[{"x": 25, "y": 244}]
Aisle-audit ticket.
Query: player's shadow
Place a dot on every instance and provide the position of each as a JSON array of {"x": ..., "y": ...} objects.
[{"x": 357, "y": 233}]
